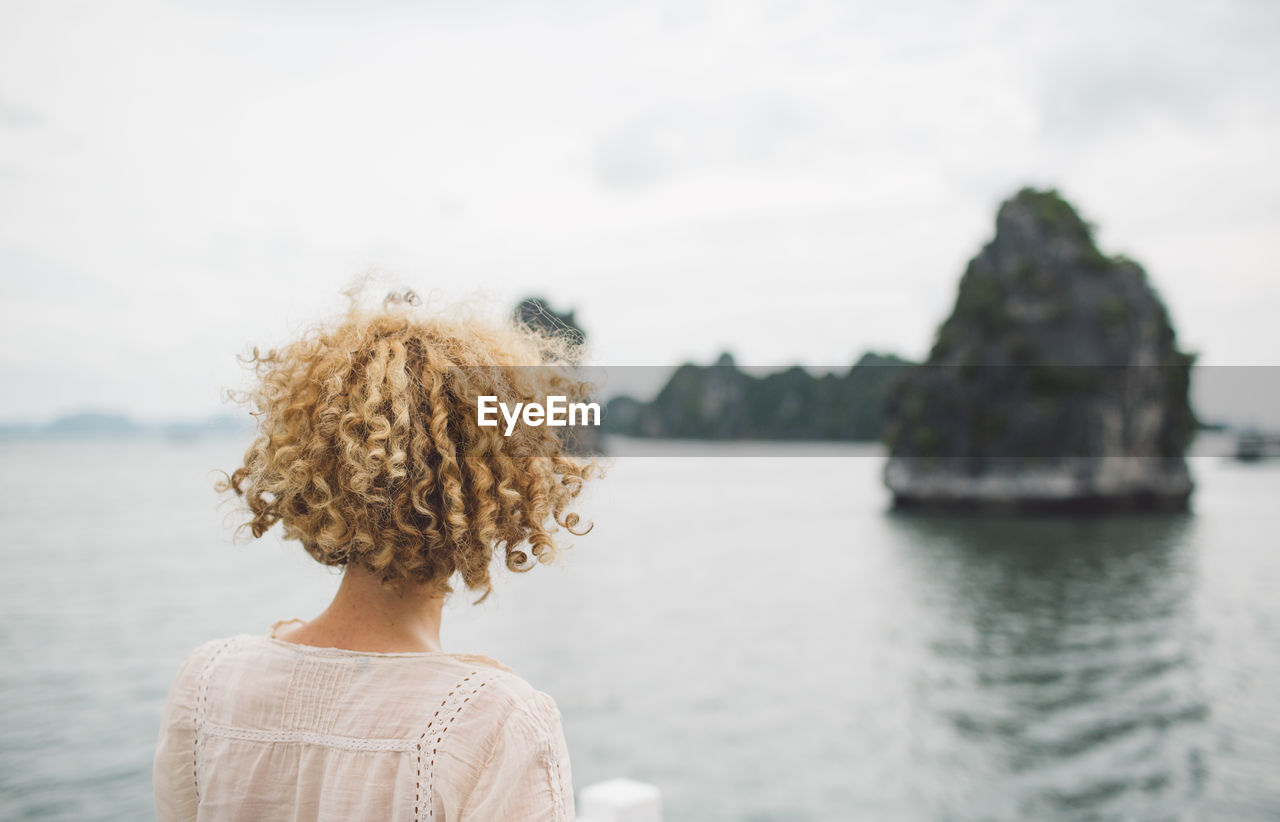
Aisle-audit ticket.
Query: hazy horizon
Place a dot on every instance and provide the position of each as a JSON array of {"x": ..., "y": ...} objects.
[{"x": 1240, "y": 396}]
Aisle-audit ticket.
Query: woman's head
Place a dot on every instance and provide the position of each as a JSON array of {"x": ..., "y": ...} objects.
[{"x": 369, "y": 450}]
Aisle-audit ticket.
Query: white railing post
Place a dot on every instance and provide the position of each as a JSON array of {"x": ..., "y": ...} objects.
[{"x": 620, "y": 800}]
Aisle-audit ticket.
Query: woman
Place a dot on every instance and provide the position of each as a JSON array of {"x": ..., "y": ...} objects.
[{"x": 370, "y": 454}]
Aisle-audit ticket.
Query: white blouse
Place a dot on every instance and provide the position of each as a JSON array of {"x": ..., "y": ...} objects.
[{"x": 257, "y": 728}]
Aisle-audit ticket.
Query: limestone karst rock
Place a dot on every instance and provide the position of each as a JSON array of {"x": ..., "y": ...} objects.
[{"x": 1055, "y": 383}]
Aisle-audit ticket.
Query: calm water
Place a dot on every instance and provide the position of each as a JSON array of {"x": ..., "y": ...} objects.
[{"x": 758, "y": 635}]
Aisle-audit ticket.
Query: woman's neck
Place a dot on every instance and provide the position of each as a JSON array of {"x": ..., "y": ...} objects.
[{"x": 366, "y": 616}]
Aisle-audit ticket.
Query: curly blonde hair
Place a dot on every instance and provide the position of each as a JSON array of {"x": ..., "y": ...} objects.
[{"x": 369, "y": 450}]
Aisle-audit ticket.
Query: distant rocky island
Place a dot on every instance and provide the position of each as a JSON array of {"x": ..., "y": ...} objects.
[
  {"x": 724, "y": 402},
  {"x": 1056, "y": 382},
  {"x": 537, "y": 313},
  {"x": 105, "y": 425}
]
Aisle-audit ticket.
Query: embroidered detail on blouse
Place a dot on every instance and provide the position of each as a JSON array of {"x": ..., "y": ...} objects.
[
  {"x": 438, "y": 726},
  {"x": 345, "y": 743},
  {"x": 554, "y": 776},
  {"x": 313, "y": 678},
  {"x": 202, "y": 709},
  {"x": 557, "y": 787}
]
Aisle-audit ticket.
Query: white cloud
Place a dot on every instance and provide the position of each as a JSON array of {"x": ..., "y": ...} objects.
[{"x": 791, "y": 181}]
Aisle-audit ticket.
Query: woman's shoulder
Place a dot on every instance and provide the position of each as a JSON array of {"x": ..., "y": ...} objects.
[
  {"x": 199, "y": 658},
  {"x": 482, "y": 661},
  {"x": 511, "y": 755},
  {"x": 508, "y": 690}
]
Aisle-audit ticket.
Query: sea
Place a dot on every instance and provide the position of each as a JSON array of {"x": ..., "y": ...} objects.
[{"x": 750, "y": 627}]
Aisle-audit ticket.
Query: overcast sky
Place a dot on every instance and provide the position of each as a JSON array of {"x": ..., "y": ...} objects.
[{"x": 794, "y": 182}]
